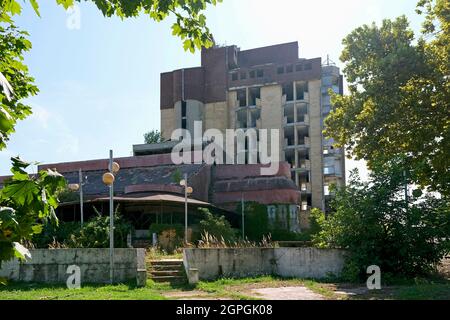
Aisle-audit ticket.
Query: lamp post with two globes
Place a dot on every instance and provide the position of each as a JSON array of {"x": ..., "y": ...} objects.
[
  {"x": 79, "y": 187},
  {"x": 108, "y": 179}
]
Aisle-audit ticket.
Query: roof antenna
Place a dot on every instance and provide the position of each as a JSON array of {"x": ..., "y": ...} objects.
[{"x": 329, "y": 62}]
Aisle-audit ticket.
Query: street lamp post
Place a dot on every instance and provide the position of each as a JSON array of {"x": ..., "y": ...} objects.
[
  {"x": 108, "y": 179},
  {"x": 187, "y": 190},
  {"x": 79, "y": 187}
]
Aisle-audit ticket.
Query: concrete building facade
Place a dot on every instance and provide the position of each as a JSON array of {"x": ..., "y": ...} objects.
[{"x": 263, "y": 88}]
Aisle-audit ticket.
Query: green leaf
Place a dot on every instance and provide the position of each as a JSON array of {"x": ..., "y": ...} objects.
[
  {"x": 35, "y": 6},
  {"x": 65, "y": 3},
  {"x": 21, "y": 252}
]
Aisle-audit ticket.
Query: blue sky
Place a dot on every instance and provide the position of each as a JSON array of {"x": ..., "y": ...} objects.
[{"x": 99, "y": 85}]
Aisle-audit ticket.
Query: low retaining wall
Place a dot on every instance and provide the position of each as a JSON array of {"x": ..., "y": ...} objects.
[
  {"x": 50, "y": 266},
  {"x": 285, "y": 262}
]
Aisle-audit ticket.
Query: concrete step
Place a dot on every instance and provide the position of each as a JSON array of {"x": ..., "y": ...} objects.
[
  {"x": 166, "y": 271},
  {"x": 166, "y": 262},
  {"x": 170, "y": 279},
  {"x": 165, "y": 267},
  {"x": 175, "y": 273}
]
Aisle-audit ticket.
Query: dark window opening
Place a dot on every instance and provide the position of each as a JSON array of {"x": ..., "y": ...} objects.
[
  {"x": 243, "y": 75},
  {"x": 301, "y": 88},
  {"x": 260, "y": 73},
  {"x": 280, "y": 70},
  {"x": 308, "y": 66},
  {"x": 252, "y": 74},
  {"x": 234, "y": 76},
  {"x": 183, "y": 109},
  {"x": 299, "y": 67},
  {"x": 288, "y": 90},
  {"x": 242, "y": 97},
  {"x": 290, "y": 68},
  {"x": 254, "y": 93}
]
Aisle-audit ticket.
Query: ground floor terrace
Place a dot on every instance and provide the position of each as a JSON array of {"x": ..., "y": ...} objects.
[{"x": 143, "y": 211}]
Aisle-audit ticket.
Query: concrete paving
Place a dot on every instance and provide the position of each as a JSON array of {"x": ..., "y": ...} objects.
[{"x": 287, "y": 293}]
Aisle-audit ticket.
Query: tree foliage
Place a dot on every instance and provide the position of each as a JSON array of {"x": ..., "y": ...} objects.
[
  {"x": 153, "y": 137},
  {"x": 374, "y": 222},
  {"x": 13, "y": 45},
  {"x": 399, "y": 93},
  {"x": 93, "y": 234},
  {"x": 190, "y": 27},
  {"x": 216, "y": 226},
  {"x": 27, "y": 202},
  {"x": 190, "y": 23}
]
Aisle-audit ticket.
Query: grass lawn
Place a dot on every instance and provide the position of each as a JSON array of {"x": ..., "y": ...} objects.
[
  {"x": 32, "y": 291},
  {"x": 234, "y": 289}
]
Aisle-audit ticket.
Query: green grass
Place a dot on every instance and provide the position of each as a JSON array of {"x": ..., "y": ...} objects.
[
  {"x": 235, "y": 289},
  {"x": 32, "y": 291}
]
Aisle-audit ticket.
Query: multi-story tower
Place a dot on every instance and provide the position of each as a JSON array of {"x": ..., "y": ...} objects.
[{"x": 263, "y": 88}]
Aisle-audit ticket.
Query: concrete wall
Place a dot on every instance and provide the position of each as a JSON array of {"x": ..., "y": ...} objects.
[
  {"x": 284, "y": 262},
  {"x": 168, "y": 122},
  {"x": 51, "y": 265}
]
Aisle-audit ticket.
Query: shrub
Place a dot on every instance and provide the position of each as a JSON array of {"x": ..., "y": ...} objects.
[
  {"x": 372, "y": 221},
  {"x": 94, "y": 234},
  {"x": 216, "y": 226},
  {"x": 52, "y": 233}
]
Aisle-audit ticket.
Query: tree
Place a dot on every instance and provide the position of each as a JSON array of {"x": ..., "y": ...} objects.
[
  {"x": 190, "y": 27},
  {"x": 216, "y": 226},
  {"x": 190, "y": 23},
  {"x": 153, "y": 136},
  {"x": 399, "y": 93},
  {"x": 377, "y": 226},
  {"x": 26, "y": 204},
  {"x": 13, "y": 45}
]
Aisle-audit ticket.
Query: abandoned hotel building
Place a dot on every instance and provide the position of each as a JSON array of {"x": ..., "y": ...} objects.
[{"x": 263, "y": 88}]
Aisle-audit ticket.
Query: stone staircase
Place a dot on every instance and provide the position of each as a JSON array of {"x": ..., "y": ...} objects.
[{"x": 166, "y": 271}]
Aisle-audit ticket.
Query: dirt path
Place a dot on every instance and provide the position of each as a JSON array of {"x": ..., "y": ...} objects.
[{"x": 287, "y": 293}]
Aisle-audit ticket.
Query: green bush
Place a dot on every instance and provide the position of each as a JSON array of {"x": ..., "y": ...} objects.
[
  {"x": 371, "y": 220},
  {"x": 257, "y": 226},
  {"x": 94, "y": 234},
  {"x": 216, "y": 226},
  {"x": 56, "y": 234}
]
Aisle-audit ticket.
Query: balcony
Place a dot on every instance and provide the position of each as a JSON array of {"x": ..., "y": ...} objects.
[
  {"x": 302, "y": 144},
  {"x": 301, "y": 121}
]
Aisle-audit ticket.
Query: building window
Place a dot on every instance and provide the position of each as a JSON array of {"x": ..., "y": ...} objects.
[
  {"x": 183, "y": 109},
  {"x": 329, "y": 170},
  {"x": 243, "y": 75},
  {"x": 301, "y": 88},
  {"x": 308, "y": 66},
  {"x": 299, "y": 67},
  {"x": 242, "y": 97},
  {"x": 280, "y": 70},
  {"x": 234, "y": 76},
  {"x": 288, "y": 90},
  {"x": 252, "y": 74},
  {"x": 260, "y": 73},
  {"x": 253, "y": 94},
  {"x": 290, "y": 68},
  {"x": 183, "y": 115}
]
